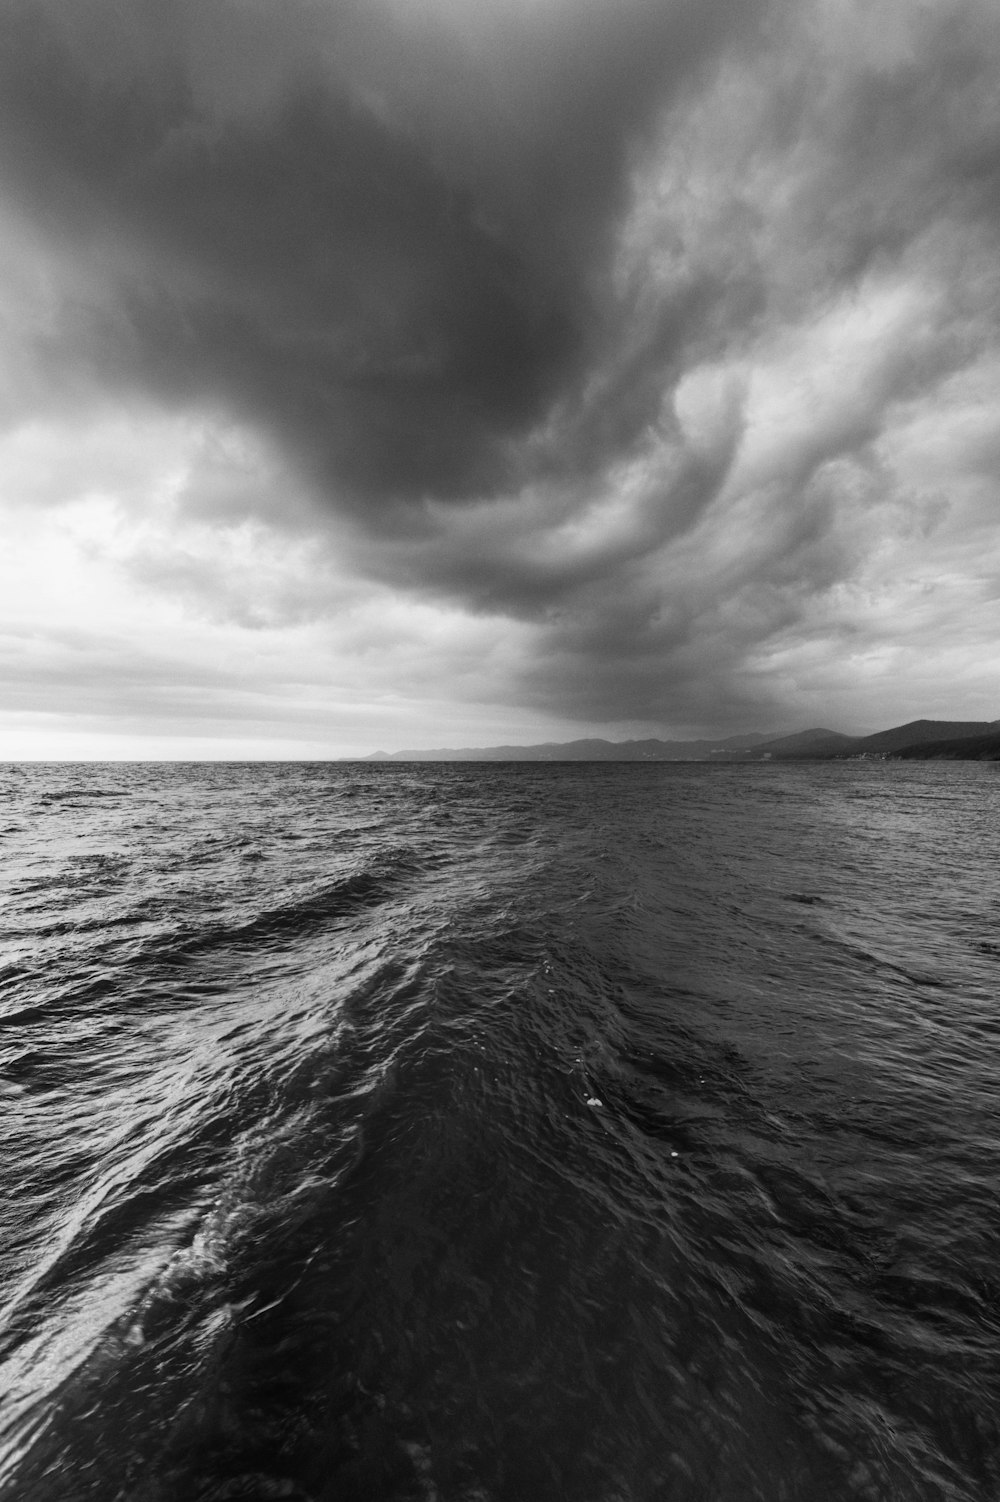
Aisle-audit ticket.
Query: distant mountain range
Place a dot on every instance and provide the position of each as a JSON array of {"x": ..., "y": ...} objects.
[
  {"x": 972, "y": 739},
  {"x": 955, "y": 740}
]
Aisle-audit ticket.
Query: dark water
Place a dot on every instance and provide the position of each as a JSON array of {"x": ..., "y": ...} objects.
[{"x": 490, "y": 1134}]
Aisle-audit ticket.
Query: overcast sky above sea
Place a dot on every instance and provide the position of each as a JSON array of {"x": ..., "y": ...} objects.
[{"x": 382, "y": 373}]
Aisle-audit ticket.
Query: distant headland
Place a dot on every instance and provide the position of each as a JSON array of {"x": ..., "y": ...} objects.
[{"x": 944, "y": 740}]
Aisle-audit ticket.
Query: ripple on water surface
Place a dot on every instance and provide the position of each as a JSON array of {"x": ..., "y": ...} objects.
[{"x": 500, "y": 1132}]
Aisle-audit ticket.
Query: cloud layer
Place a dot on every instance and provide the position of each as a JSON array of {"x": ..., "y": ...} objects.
[{"x": 643, "y": 359}]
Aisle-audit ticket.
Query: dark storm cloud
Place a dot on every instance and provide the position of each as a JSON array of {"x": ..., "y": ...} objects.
[
  {"x": 397, "y": 263},
  {"x": 664, "y": 333}
]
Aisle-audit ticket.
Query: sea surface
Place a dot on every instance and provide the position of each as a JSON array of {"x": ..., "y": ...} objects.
[{"x": 493, "y": 1133}]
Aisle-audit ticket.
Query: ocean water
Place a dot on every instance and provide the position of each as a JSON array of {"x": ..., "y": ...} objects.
[{"x": 499, "y": 1133}]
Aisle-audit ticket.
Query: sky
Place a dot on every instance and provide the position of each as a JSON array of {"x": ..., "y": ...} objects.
[{"x": 401, "y": 373}]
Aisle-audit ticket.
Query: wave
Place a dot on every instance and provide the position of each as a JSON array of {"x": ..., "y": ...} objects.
[{"x": 565, "y": 1148}]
